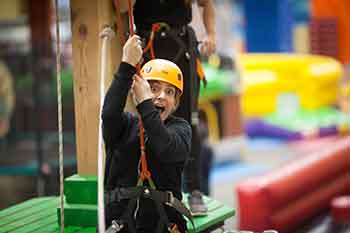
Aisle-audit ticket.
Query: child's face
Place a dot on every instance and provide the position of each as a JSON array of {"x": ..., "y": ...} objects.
[{"x": 164, "y": 98}]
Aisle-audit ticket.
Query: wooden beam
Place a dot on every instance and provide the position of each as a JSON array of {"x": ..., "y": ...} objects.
[
  {"x": 41, "y": 53},
  {"x": 88, "y": 20}
]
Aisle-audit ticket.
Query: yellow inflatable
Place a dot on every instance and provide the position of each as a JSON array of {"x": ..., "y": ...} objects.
[{"x": 312, "y": 79}]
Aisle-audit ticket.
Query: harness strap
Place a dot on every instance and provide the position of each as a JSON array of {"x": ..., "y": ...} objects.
[
  {"x": 157, "y": 27},
  {"x": 181, "y": 44},
  {"x": 200, "y": 72},
  {"x": 119, "y": 194},
  {"x": 167, "y": 197},
  {"x": 129, "y": 214},
  {"x": 159, "y": 198},
  {"x": 173, "y": 33},
  {"x": 163, "y": 217}
]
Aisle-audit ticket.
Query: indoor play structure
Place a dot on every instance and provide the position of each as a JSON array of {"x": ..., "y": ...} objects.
[
  {"x": 291, "y": 96},
  {"x": 79, "y": 208},
  {"x": 310, "y": 81},
  {"x": 291, "y": 195},
  {"x": 294, "y": 92},
  {"x": 222, "y": 87}
]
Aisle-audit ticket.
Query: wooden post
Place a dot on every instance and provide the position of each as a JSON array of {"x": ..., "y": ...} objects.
[
  {"x": 41, "y": 56},
  {"x": 88, "y": 20}
]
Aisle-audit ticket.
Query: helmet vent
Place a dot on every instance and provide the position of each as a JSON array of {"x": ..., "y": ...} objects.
[
  {"x": 179, "y": 77},
  {"x": 148, "y": 69}
]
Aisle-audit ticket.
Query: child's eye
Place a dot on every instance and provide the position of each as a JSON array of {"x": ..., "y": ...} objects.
[
  {"x": 154, "y": 89},
  {"x": 170, "y": 92}
]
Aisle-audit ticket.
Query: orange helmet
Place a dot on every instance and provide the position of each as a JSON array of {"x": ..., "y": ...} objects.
[{"x": 163, "y": 70}]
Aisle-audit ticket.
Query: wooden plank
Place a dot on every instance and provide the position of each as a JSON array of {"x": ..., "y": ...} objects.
[
  {"x": 45, "y": 224},
  {"x": 31, "y": 216},
  {"x": 217, "y": 214},
  {"x": 35, "y": 218},
  {"x": 88, "y": 20},
  {"x": 32, "y": 212},
  {"x": 71, "y": 229},
  {"x": 17, "y": 208},
  {"x": 24, "y": 219}
]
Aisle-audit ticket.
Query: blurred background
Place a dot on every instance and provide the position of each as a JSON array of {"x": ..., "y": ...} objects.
[{"x": 278, "y": 92}]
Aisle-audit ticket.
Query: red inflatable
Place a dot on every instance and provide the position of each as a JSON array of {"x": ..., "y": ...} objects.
[
  {"x": 290, "y": 195},
  {"x": 340, "y": 209}
]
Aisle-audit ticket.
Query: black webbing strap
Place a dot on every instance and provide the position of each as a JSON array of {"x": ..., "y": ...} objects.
[
  {"x": 182, "y": 46},
  {"x": 163, "y": 218},
  {"x": 167, "y": 198},
  {"x": 174, "y": 32},
  {"x": 129, "y": 213},
  {"x": 159, "y": 198},
  {"x": 119, "y": 194},
  {"x": 192, "y": 46}
]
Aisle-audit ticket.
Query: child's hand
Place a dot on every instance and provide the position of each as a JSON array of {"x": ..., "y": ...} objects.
[
  {"x": 132, "y": 51},
  {"x": 141, "y": 90}
]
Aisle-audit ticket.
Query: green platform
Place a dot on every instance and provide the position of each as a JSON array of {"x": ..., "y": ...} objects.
[{"x": 42, "y": 214}]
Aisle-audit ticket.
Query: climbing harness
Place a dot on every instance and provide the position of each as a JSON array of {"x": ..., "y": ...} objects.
[
  {"x": 160, "y": 198},
  {"x": 164, "y": 29}
]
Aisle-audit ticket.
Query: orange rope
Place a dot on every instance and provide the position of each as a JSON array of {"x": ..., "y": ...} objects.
[
  {"x": 155, "y": 28},
  {"x": 131, "y": 19},
  {"x": 144, "y": 173},
  {"x": 119, "y": 23}
]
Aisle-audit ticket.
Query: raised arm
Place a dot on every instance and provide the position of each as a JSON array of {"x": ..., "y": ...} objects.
[
  {"x": 123, "y": 5},
  {"x": 114, "y": 120},
  {"x": 208, "y": 16}
]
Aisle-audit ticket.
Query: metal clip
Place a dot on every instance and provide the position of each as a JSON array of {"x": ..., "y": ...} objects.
[
  {"x": 115, "y": 227},
  {"x": 170, "y": 198},
  {"x": 146, "y": 192}
]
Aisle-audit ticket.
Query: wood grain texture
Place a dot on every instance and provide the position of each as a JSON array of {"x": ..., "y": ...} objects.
[{"x": 88, "y": 20}]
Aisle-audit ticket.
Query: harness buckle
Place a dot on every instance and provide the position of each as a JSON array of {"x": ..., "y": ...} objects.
[
  {"x": 170, "y": 198},
  {"x": 115, "y": 227},
  {"x": 146, "y": 192}
]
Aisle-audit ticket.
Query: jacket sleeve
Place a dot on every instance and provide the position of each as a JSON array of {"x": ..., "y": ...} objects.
[
  {"x": 165, "y": 140},
  {"x": 114, "y": 121}
]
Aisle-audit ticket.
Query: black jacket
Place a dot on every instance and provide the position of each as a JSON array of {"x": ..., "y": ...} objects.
[
  {"x": 167, "y": 144},
  {"x": 175, "y": 13}
]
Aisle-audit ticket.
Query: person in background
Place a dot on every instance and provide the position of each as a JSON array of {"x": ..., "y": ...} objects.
[{"x": 207, "y": 154}]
